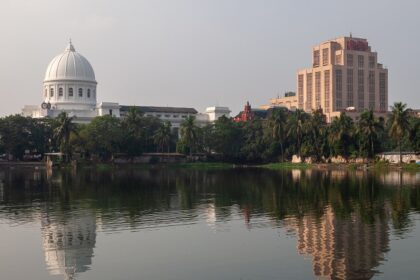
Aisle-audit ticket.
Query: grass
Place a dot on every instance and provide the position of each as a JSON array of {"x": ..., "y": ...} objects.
[
  {"x": 285, "y": 165},
  {"x": 411, "y": 167}
]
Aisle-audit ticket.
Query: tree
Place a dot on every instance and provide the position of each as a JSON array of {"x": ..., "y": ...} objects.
[
  {"x": 340, "y": 135},
  {"x": 277, "y": 126},
  {"x": 189, "y": 133},
  {"x": 19, "y": 134},
  {"x": 400, "y": 124},
  {"x": 414, "y": 134},
  {"x": 162, "y": 136},
  {"x": 64, "y": 127},
  {"x": 315, "y": 139},
  {"x": 134, "y": 136},
  {"x": 103, "y": 136},
  {"x": 295, "y": 128},
  {"x": 228, "y": 138},
  {"x": 368, "y": 129}
]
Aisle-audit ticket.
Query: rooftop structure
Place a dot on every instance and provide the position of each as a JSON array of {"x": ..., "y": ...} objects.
[{"x": 289, "y": 101}]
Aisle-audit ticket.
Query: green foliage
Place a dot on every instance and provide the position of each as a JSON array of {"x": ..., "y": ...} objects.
[
  {"x": 273, "y": 139},
  {"x": 399, "y": 123},
  {"x": 189, "y": 133},
  {"x": 19, "y": 134},
  {"x": 103, "y": 136},
  {"x": 162, "y": 137}
]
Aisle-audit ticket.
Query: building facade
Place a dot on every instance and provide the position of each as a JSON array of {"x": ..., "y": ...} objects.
[{"x": 345, "y": 76}]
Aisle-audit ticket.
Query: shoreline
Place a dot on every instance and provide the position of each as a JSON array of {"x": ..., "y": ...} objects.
[{"x": 377, "y": 166}]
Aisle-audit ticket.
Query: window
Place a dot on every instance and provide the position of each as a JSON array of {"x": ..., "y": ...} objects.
[
  {"x": 308, "y": 105},
  {"x": 60, "y": 92},
  {"x": 350, "y": 60},
  {"x": 70, "y": 92},
  {"x": 184, "y": 116},
  {"x": 51, "y": 92},
  {"x": 300, "y": 91},
  {"x": 361, "y": 61},
  {"x": 361, "y": 89},
  {"x": 316, "y": 58},
  {"x": 325, "y": 58},
  {"x": 327, "y": 90},
  {"x": 371, "y": 85},
  {"x": 110, "y": 112},
  {"x": 382, "y": 91},
  {"x": 88, "y": 93},
  {"x": 349, "y": 87},
  {"x": 338, "y": 88},
  {"x": 371, "y": 62},
  {"x": 45, "y": 92},
  {"x": 318, "y": 90},
  {"x": 80, "y": 92},
  {"x": 175, "y": 116},
  {"x": 159, "y": 116},
  {"x": 167, "y": 116}
]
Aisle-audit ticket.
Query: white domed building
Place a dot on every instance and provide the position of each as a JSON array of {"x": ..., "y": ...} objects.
[{"x": 70, "y": 86}]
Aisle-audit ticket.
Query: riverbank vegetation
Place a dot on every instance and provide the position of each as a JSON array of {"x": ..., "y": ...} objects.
[{"x": 274, "y": 139}]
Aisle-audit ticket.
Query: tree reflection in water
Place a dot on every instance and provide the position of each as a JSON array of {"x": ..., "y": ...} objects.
[{"x": 340, "y": 219}]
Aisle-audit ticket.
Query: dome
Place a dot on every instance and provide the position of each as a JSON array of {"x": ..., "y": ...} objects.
[{"x": 69, "y": 65}]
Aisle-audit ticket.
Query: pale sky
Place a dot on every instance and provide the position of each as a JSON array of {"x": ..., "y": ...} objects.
[{"x": 198, "y": 53}]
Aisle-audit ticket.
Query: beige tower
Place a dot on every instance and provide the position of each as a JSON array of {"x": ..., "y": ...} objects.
[{"x": 345, "y": 76}]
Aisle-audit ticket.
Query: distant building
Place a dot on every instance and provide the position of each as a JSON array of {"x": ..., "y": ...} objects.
[
  {"x": 345, "y": 76},
  {"x": 415, "y": 113},
  {"x": 289, "y": 101},
  {"x": 176, "y": 115},
  {"x": 249, "y": 114},
  {"x": 70, "y": 86}
]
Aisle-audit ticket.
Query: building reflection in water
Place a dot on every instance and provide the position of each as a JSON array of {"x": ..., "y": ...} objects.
[
  {"x": 68, "y": 242},
  {"x": 341, "y": 248}
]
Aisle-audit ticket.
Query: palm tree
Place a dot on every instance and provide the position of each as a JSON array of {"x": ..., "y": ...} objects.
[
  {"x": 277, "y": 125},
  {"x": 315, "y": 129},
  {"x": 399, "y": 123},
  {"x": 189, "y": 132},
  {"x": 162, "y": 136},
  {"x": 369, "y": 127},
  {"x": 295, "y": 127},
  {"x": 65, "y": 127},
  {"x": 340, "y": 133}
]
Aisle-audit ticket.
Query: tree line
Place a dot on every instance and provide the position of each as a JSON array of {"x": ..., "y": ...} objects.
[{"x": 277, "y": 137}]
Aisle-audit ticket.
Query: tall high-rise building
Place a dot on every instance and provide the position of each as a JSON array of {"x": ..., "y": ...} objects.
[{"x": 345, "y": 76}]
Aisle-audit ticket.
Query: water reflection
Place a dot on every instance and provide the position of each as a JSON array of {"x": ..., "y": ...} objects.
[
  {"x": 341, "y": 248},
  {"x": 341, "y": 220},
  {"x": 68, "y": 242}
]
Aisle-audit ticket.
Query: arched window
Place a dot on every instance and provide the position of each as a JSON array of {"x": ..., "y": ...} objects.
[
  {"x": 80, "y": 92},
  {"x": 88, "y": 93},
  {"x": 60, "y": 92},
  {"x": 70, "y": 92},
  {"x": 51, "y": 92}
]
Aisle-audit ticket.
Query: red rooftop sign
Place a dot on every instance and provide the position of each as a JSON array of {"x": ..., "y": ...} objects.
[{"x": 357, "y": 45}]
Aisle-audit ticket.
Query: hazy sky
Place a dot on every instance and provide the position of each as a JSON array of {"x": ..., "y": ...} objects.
[{"x": 198, "y": 53}]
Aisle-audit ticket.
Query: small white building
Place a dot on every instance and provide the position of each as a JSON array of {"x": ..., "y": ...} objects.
[{"x": 70, "y": 86}]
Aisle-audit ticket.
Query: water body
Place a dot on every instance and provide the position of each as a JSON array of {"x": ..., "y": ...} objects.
[{"x": 189, "y": 224}]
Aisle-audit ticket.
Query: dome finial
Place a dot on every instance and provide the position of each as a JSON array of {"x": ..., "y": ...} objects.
[{"x": 70, "y": 46}]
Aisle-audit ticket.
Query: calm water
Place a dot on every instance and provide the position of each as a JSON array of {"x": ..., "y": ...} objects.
[{"x": 183, "y": 224}]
